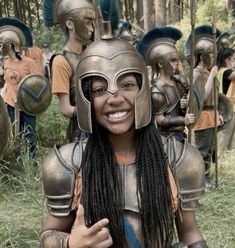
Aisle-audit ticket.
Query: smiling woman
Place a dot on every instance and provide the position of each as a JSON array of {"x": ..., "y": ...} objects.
[{"x": 122, "y": 192}]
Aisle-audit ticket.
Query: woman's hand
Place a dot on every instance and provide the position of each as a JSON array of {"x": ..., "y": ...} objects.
[{"x": 97, "y": 236}]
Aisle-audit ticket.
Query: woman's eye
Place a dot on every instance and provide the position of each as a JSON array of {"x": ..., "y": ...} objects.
[
  {"x": 99, "y": 91},
  {"x": 128, "y": 85}
]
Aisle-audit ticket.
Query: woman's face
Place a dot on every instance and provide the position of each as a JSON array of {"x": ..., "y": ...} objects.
[
  {"x": 230, "y": 62},
  {"x": 115, "y": 112}
]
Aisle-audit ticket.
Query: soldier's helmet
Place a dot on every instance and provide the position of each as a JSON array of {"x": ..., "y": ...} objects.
[{"x": 14, "y": 31}]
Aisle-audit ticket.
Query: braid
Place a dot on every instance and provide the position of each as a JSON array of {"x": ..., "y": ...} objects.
[
  {"x": 154, "y": 188},
  {"x": 103, "y": 195}
]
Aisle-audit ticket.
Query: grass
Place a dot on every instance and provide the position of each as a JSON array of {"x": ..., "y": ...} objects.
[
  {"x": 216, "y": 216},
  {"x": 23, "y": 211}
]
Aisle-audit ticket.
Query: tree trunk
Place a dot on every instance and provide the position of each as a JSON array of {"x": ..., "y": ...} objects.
[
  {"x": 139, "y": 11},
  {"x": 29, "y": 15},
  {"x": 233, "y": 8},
  {"x": 38, "y": 12},
  {"x": 160, "y": 13}
]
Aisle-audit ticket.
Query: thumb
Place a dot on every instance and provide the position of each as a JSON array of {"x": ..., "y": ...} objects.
[{"x": 80, "y": 216}]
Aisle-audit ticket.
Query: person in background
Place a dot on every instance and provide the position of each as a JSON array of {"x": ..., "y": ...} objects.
[
  {"x": 226, "y": 76},
  {"x": 169, "y": 96},
  {"x": 46, "y": 60},
  {"x": 14, "y": 35},
  {"x": 35, "y": 53},
  {"x": 204, "y": 74},
  {"x": 76, "y": 20}
]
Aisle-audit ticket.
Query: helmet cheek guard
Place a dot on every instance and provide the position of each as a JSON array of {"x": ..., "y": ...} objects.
[{"x": 120, "y": 58}]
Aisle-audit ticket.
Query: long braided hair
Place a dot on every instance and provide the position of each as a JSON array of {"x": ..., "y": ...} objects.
[{"x": 102, "y": 190}]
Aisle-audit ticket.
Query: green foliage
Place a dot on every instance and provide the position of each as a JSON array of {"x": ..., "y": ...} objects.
[
  {"x": 51, "y": 126},
  {"x": 53, "y": 36},
  {"x": 21, "y": 205}
]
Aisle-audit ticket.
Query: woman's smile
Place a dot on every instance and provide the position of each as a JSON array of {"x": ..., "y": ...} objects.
[{"x": 117, "y": 116}]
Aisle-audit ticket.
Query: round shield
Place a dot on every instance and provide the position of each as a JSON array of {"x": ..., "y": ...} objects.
[
  {"x": 196, "y": 99},
  {"x": 34, "y": 94},
  {"x": 225, "y": 108},
  {"x": 4, "y": 127}
]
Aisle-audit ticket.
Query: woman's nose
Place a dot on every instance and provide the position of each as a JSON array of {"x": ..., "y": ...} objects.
[{"x": 115, "y": 98}]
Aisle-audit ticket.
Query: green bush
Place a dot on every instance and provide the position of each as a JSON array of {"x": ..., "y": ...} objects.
[{"x": 51, "y": 126}]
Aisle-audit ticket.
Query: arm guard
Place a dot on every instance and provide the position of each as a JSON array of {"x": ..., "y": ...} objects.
[
  {"x": 54, "y": 239},
  {"x": 173, "y": 121},
  {"x": 58, "y": 175}
]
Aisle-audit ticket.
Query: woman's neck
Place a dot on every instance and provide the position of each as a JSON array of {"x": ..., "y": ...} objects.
[{"x": 123, "y": 147}]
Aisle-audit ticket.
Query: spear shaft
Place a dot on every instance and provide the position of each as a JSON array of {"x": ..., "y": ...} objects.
[
  {"x": 193, "y": 8},
  {"x": 215, "y": 101}
]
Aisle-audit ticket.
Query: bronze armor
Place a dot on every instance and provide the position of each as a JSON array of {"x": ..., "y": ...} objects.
[
  {"x": 166, "y": 100},
  {"x": 189, "y": 172},
  {"x": 59, "y": 172}
]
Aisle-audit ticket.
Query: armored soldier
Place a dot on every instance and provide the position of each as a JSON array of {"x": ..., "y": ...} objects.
[
  {"x": 14, "y": 35},
  {"x": 76, "y": 20},
  {"x": 116, "y": 188},
  {"x": 169, "y": 96},
  {"x": 205, "y": 74}
]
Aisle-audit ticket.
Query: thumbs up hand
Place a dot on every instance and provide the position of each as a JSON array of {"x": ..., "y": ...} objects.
[{"x": 97, "y": 236}]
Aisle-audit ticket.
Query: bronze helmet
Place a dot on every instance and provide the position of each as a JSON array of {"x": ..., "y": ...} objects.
[
  {"x": 58, "y": 11},
  {"x": 203, "y": 42},
  {"x": 158, "y": 42},
  {"x": 14, "y": 31},
  {"x": 111, "y": 58}
]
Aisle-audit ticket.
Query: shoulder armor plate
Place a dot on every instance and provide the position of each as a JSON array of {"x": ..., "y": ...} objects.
[
  {"x": 159, "y": 100},
  {"x": 58, "y": 174},
  {"x": 189, "y": 171}
]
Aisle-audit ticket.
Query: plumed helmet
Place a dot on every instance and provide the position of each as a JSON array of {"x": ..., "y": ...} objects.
[
  {"x": 58, "y": 11},
  {"x": 203, "y": 41},
  {"x": 125, "y": 31},
  {"x": 158, "y": 42},
  {"x": 223, "y": 40},
  {"x": 14, "y": 31},
  {"x": 109, "y": 59}
]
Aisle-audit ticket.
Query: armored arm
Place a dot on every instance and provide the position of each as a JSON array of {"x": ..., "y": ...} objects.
[
  {"x": 59, "y": 171},
  {"x": 160, "y": 105},
  {"x": 58, "y": 175}
]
